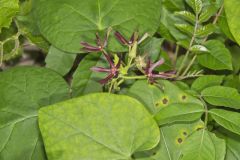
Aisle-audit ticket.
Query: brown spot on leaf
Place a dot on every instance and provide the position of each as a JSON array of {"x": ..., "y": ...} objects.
[
  {"x": 165, "y": 101},
  {"x": 184, "y": 97},
  {"x": 185, "y": 133},
  {"x": 180, "y": 140}
]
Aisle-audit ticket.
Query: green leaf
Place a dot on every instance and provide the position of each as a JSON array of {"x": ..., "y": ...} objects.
[
  {"x": 222, "y": 96},
  {"x": 218, "y": 58},
  {"x": 200, "y": 146},
  {"x": 196, "y": 5},
  {"x": 206, "y": 81},
  {"x": 158, "y": 99},
  {"x": 167, "y": 27},
  {"x": 185, "y": 28},
  {"x": 152, "y": 47},
  {"x": 220, "y": 147},
  {"x": 233, "y": 144},
  {"x": 207, "y": 13},
  {"x": 28, "y": 25},
  {"x": 8, "y": 9},
  {"x": 23, "y": 91},
  {"x": 70, "y": 22},
  {"x": 235, "y": 50},
  {"x": 233, "y": 13},
  {"x": 173, "y": 137},
  {"x": 179, "y": 113},
  {"x": 198, "y": 49},
  {"x": 232, "y": 81},
  {"x": 223, "y": 24},
  {"x": 228, "y": 119},
  {"x": 74, "y": 129},
  {"x": 140, "y": 89},
  {"x": 86, "y": 81},
  {"x": 204, "y": 31},
  {"x": 186, "y": 15},
  {"x": 59, "y": 61},
  {"x": 173, "y": 5}
]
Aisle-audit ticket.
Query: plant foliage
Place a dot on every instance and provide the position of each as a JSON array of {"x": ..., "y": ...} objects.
[{"x": 120, "y": 80}]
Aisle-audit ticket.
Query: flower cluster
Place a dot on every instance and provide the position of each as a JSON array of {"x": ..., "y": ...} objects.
[{"x": 119, "y": 70}]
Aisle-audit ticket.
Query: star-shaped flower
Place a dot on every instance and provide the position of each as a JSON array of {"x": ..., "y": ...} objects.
[
  {"x": 100, "y": 45},
  {"x": 130, "y": 42},
  {"x": 152, "y": 75},
  {"x": 113, "y": 71}
]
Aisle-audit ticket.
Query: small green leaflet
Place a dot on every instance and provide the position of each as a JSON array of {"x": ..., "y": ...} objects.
[
  {"x": 228, "y": 119},
  {"x": 96, "y": 127},
  {"x": 186, "y": 15},
  {"x": 179, "y": 113},
  {"x": 218, "y": 57},
  {"x": 199, "y": 49},
  {"x": 206, "y": 81},
  {"x": 222, "y": 96},
  {"x": 196, "y": 5}
]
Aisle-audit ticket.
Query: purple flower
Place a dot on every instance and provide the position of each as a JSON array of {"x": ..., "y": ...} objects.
[
  {"x": 123, "y": 40},
  {"x": 151, "y": 75},
  {"x": 100, "y": 45},
  {"x": 112, "y": 71}
]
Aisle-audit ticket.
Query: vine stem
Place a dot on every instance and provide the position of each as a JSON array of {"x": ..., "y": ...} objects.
[
  {"x": 189, "y": 65},
  {"x": 206, "y": 112},
  {"x": 133, "y": 77},
  {"x": 175, "y": 56},
  {"x": 190, "y": 45},
  {"x": 1, "y": 54},
  {"x": 205, "y": 39}
]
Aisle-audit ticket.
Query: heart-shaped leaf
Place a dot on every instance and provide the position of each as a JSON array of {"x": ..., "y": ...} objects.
[
  {"x": 23, "y": 91},
  {"x": 96, "y": 127},
  {"x": 66, "y": 23}
]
